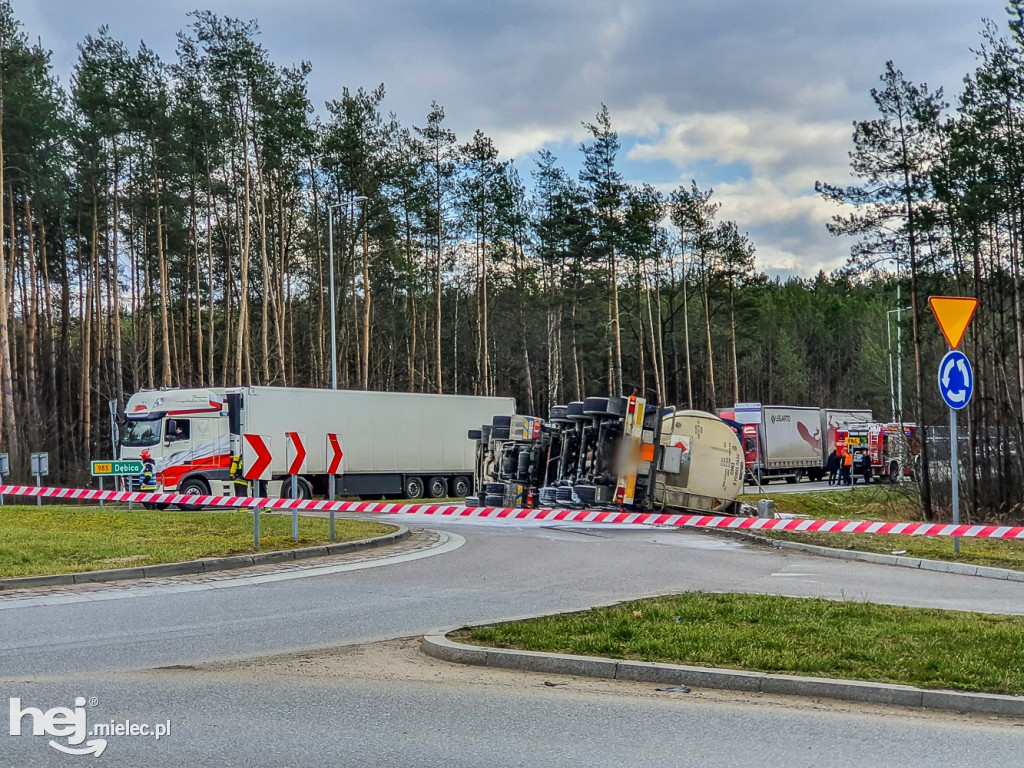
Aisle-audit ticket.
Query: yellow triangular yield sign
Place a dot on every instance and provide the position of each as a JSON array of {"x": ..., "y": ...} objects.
[{"x": 954, "y": 314}]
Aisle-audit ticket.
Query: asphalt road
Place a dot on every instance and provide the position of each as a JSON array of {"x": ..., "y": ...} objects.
[{"x": 55, "y": 649}]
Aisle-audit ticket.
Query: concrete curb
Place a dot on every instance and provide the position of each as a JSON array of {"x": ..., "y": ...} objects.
[
  {"x": 206, "y": 564},
  {"x": 440, "y": 647},
  {"x": 941, "y": 566}
]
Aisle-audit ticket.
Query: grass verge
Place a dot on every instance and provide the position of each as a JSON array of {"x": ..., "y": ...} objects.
[
  {"x": 887, "y": 504},
  {"x": 802, "y": 636},
  {"x": 51, "y": 539}
]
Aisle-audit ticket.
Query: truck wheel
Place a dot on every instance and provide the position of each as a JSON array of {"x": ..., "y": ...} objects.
[
  {"x": 194, "y": 486},
  {"x": 617, "y": 406},
  {"x": 791, "y": 479},
  {"x": 499, "y": 433},
  {"x": 474, "y": 434},
  {"x": 494, "y": 501},
  {"x": 461, "y": 486},
  {"x": 302, "y": 488},
  {"x": 437, "y": 488},
  {"x": 557, "y": 413},
  {"x": 595, "y": 406},
  {"x": 574, "y": 410},
  {"x": 413, "y": 488},
  {"x": 494, "y": 489},
  {"x": 501, "y": 421},
  {"x": 472, "y": 501}
]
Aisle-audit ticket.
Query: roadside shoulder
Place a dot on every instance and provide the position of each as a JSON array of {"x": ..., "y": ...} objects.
[{"x": 440, "y": 647}]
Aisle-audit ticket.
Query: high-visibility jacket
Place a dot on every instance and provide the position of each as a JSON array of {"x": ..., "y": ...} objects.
[
  {"x": 848, "y": 459},
  {"x": 236, "y": 472},
  {"x": 147, "y": 480}
]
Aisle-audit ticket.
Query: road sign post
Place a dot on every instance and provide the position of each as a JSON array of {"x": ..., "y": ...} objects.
[
  {"x": 256, "y": 459},
  {"x": 334, "y": 456},
  {"x": 40, "y": 466},
  {"x": 956, "y": 380},
  {"x": 295, "y": 458},
  {"x": 5, "y": 470}
]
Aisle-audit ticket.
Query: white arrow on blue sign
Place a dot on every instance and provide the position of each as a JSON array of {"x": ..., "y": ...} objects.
[{"x": 956, "y": 380}]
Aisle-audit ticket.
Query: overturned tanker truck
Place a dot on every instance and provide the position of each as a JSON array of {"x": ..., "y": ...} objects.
[{"x": 609, "y": 453}]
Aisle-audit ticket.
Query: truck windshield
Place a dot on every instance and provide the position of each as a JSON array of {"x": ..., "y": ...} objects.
[{"x": 139, "y": 433}]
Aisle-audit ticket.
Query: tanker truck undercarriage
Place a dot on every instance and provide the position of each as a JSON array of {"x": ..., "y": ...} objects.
[{"x": 609, "y": 453}]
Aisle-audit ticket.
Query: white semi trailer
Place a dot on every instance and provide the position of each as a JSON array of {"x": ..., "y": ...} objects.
[
  {"x": 394, "y": 444},
  {"x": 789, "y": 442}
]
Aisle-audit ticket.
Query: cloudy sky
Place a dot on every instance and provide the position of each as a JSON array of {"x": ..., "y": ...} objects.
[{"x": 750, "y": 97}]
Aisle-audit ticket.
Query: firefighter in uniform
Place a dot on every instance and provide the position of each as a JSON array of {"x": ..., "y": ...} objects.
[
  {"x": 147, "y": 479},
  {"x": 241, "y": 485}
]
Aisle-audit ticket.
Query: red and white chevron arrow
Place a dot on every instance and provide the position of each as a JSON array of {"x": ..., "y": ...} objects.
[{"x": 296, "y": 453}]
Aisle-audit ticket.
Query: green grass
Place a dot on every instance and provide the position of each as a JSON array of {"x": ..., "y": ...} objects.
[
  {"x": 52, "y": 539},
  {"x": 802, "y": 636},
  {"x": 863, "y": 503},
  {"x": 887, "y": 504}
]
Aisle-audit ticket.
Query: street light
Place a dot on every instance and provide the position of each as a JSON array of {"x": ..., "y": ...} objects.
[
  {"x": 330, "y": 258},
  {"x": 899, "y": 356}
]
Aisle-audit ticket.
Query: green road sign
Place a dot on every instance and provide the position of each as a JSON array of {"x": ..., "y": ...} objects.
[{"x": 107, "y": 468}]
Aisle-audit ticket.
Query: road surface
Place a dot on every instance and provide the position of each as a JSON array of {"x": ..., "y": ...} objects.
[{"x": 104, "y": 643}]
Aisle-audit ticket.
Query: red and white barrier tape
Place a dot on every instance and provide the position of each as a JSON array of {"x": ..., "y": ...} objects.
[{"x": 546, "y": 515}]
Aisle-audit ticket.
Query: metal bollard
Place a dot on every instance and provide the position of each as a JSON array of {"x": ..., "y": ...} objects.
[
  {"x": 256, "y": 528},
  {"x": 101, "y": 491},
  {"x": 331, "y": 536}
]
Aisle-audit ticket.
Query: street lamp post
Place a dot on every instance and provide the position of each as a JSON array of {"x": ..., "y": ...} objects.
[
  {"x": 894, "y": 399},
  {"x": 330, "y": 258}
]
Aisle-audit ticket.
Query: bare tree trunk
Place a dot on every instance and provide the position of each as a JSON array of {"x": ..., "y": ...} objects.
[
  {"x": 165, "y": 369},
  {"x": 616, "y": 328},
  {"x": 707, "y": 329},
  {"x": 732, "y": 335},
  {"x": 6, "y": 378},
  {"x": 366, "y": 301},
  {"x": 686, "y": 333}
]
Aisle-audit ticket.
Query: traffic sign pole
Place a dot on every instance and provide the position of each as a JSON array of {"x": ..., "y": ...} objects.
[
  {"x": 954, "y": 463},
  {"x": 954, "y": 314}
]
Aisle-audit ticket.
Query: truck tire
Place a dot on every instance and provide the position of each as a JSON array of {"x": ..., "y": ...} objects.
[
  {"x": 792, "y": 479},
  {"x": 193, "y": 486},
  {"x": 485, "y": 433},
  {"x": 501, "y": 421},
  {"x": 494, "y": 501},
  {"x": 494, "y": 489},
  {"x": 574, "y": 410},
  {"x": 557, "y": 413},
  {"x": 303, "y": 489},
  {"x": 595, "y": 406},
  {"x": 617, "y": 406},
  {"x": 499, "y": 433},
  {"x": 412, "y": 488},
  {"x": 472, "y": 501},
  {"x": 474, "y": 434},
  {"x": 437, "y": 488},
  {"x": 461, "y": 486}
]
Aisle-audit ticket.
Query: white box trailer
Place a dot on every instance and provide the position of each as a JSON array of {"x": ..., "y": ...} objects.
[
  {"x": 394, "y": 444},
  {"x": 789, "y": 442}
]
